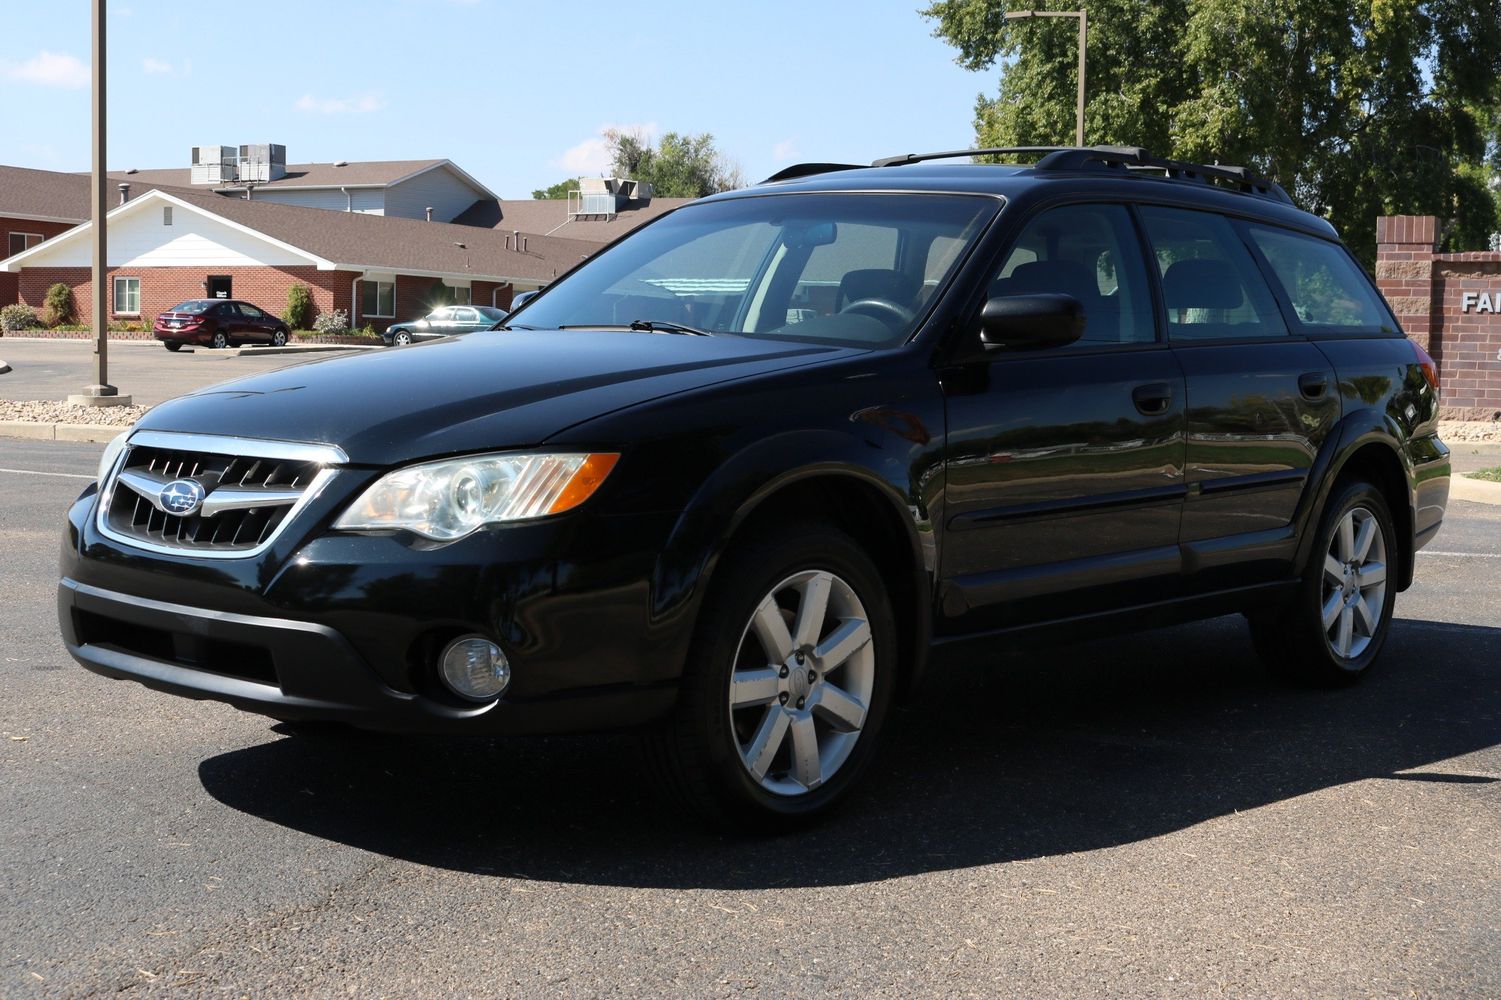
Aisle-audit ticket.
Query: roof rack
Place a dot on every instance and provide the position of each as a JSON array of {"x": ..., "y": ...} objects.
[
  {"x": 809, "y": 169},
  {"x": 905, "y": 158},
  {"x": 1133, "y": 158}
]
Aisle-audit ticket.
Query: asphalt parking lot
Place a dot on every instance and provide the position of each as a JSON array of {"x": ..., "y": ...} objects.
[
  {"x": 51, "y": 369},
  {"x": 1148, "y": 816}
]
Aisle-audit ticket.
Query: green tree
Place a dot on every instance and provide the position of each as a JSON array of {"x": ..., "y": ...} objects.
[
  {"x": 558, "y": 190},
  {"x": 1358, "y": 109},
  {"x": 59, "y": 304},
  {"x": 680, "y": 165}
]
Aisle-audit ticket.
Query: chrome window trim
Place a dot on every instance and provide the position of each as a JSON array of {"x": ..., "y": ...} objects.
[{"x": 218, "y": 445}]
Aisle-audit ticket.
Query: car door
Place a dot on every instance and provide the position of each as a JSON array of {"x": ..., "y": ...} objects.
[
  {"x": 465, "y": 319},
  {"x": 1261, "y": 400},
  {"x": 227, "y": 318},
  {"x": 1064, "y": 469},
  {"x": 257, "y": 324},
  {"x": 439, "y": 323}
]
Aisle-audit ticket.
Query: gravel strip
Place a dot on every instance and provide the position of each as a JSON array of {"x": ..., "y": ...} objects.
[
  {"x": 1469, "y": 431},
  {"x": 43, "y": 411}
]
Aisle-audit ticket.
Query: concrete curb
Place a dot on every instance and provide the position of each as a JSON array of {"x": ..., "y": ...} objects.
[
  {"x": 1474, "y": 490},
  {"x": 228, "y": 352},
  {"x": 93, "y": 433}
]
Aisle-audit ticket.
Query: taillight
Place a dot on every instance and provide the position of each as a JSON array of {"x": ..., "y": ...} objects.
[{"x": 1429, "y": 366}]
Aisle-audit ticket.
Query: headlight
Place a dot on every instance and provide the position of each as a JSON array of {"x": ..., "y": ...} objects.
[
  {"x": 450, "y": 499},
  {"x": 111, "y": 455}
]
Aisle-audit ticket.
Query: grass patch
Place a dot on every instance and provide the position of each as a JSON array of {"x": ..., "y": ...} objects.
[{"x": 1489, "y": 475}]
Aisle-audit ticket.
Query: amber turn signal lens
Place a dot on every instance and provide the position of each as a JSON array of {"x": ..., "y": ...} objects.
[{"x": 584, "y": 482}]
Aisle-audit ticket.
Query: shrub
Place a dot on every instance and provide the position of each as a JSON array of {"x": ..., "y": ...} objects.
[
  {"x": 334, "y": 321},
  {"x": 14, "y": 318},
  {"x": 299, "y": 306},
  {"x": 59, "y": 304}
]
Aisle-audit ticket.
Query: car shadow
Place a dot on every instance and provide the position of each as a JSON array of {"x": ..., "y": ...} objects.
[{"x": 1089, "y": 746}]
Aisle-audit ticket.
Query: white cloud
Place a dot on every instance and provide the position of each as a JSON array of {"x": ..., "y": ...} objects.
[
  {"x": 592, "y": 156},
  {"x": 51, "y": 69},
  {"x": 784, "y": 151},
  {"x": 156, "y": 67},
  {"x": 339, "y": 105}
]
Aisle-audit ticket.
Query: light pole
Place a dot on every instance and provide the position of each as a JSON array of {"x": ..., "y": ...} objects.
[
  {"x": 101, "y": 393},
  {"x": 1083, "y": 16}
]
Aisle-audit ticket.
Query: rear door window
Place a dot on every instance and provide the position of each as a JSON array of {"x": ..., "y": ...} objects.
[
  {"x": 1212, "y": 288},
  {"x": 1326, "y": 287},
  {"x": 1092, "y": 253}
]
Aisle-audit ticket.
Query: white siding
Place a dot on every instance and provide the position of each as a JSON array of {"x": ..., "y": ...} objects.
[
  {"x": 140, "y": 240},
  {"x": 367, "y": 201},
  {"x": 441, "y": 188}
]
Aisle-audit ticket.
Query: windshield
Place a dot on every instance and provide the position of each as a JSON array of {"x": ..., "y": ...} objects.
[
  {"x": 833, "y": 268},
  {"x": 194, "y": 306}
]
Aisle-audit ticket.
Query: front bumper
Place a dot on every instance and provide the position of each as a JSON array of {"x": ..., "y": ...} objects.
[{"x": 346, "y": 627}]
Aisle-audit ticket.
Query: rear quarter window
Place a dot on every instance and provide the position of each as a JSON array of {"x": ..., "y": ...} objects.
[{"x": 1328, "y": 291}]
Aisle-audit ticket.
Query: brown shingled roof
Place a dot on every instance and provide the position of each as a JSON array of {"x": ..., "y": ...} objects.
[
  {"x": 44, "y": 194},
  {"x": 368, "y": 173},
  {"x": 382, "y": 242},
  {"x": 550, "y": 216}
]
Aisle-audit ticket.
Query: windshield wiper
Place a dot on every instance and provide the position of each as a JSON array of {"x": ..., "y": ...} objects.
[{"x": 643, "y": 326}]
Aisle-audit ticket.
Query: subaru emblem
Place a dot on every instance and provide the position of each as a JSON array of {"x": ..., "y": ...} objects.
[{"x": 182, "y": 497}]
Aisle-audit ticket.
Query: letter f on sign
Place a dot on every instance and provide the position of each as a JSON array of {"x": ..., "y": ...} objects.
[{"x": 1466, "y": 301}]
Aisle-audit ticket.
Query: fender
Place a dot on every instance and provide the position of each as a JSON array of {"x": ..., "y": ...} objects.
[
  {"x": 734, "y": 491},
  {"x": 1355, "y": 430}
]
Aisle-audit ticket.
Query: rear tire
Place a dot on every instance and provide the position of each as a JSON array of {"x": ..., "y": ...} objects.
[
  {"x": 778, "y": 717},
  {"x": 1335, "y": 628},
  {"x": 172, "y": 345},
  {"x": 220, "y": 341}
]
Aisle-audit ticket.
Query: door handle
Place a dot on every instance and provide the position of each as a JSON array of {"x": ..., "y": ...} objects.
[
  {"x": 1153, "y": 399},
  {"x": 1313, "y": 385}
]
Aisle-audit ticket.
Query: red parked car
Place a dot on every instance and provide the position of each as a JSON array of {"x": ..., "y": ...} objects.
[{"x": 218, "y": 323}]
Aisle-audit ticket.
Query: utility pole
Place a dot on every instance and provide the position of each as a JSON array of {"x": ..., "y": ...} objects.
[
  {"x": 1083, "y": 16},
  {"x": 101, "y": 393}
]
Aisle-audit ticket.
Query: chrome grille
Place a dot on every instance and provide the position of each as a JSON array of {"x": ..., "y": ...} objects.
[{"x": 243, "y": 492}]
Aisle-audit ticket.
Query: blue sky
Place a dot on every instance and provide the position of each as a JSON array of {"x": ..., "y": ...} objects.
[{"x": 515, "y": 93}]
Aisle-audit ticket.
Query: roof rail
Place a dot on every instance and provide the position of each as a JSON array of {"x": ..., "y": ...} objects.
[
  {"x": 807, "y": 170},
  {"x": 1245, "y": 180},
  {"x": 905, "y": 158}
]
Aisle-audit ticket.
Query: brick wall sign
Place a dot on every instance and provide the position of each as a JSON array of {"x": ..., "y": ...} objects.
[{"x": 1450, "y": 303}]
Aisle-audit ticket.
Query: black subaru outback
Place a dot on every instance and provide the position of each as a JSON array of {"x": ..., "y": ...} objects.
[{"x": 735, "y": 476}]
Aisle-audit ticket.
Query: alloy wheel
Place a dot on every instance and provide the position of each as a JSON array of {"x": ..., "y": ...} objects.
[
  {"x": 1354, "y": 584},
  {"x": 802, "y": 682}
]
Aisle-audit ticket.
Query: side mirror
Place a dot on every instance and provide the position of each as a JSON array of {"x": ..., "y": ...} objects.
[{"x": 1031, "y": 322}]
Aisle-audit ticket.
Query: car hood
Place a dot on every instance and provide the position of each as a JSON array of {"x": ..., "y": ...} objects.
[{"x": 511, "y": 389}]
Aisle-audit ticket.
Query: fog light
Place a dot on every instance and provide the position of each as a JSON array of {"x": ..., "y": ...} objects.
[{"x": 474, "y": 667}]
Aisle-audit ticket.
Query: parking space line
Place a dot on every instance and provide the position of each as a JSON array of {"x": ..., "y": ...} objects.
[
  {"x": 38, "y": 472},
  {"x": 1463, "y": 555}
]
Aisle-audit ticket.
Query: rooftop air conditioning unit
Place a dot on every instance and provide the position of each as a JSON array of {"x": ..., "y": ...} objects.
[
  {"x": 261, "y": 162},
  {"x": 214, "y": 165}
]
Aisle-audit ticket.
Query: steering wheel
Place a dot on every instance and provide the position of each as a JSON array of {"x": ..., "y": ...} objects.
[{"x": 882, "y": 309}]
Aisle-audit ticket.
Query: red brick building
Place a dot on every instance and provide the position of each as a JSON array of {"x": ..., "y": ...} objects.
[
  {"x": 165, "y": 247},
  {"x": 1450, "y": 303}
]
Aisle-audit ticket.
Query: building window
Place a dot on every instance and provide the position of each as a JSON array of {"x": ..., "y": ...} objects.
[
  {"x": 128, "y": 296},
  {"x": 378, "y": 299},
  {"x": 166, "y": 215},
  {"x": 461, "y": 296},
  {"x": 23, "y": 241}
]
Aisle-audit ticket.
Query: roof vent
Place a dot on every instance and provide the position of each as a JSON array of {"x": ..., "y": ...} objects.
[{"x": 341, "y": 163}]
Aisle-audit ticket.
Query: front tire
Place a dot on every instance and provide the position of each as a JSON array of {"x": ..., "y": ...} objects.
[
  {"x": 401, "y": 338},
  {"x": 1337, "y": 625},
  {"x": 788, "y": 681},
  {"x": 279, "y": 338}
]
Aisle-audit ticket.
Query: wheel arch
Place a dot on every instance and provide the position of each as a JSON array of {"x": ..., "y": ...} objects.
[
  {"x": 745, "y": 494},
  {"x": 1370, "y": 448}
]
